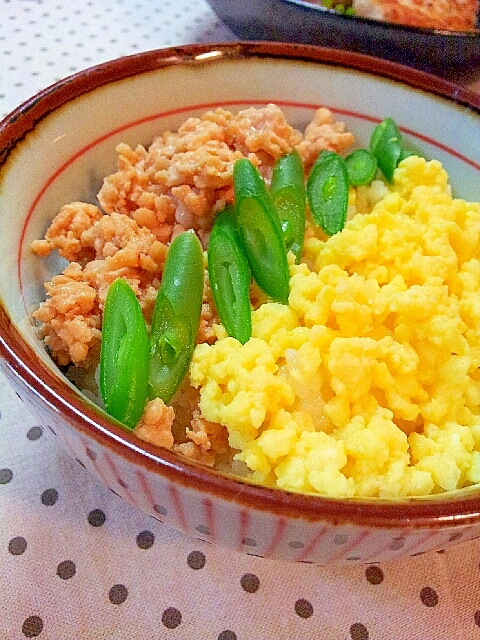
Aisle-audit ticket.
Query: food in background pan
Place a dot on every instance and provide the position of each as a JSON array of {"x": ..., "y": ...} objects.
[{"x": 449, "y": 15}]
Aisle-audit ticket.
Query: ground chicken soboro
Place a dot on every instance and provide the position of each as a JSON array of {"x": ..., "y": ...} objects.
[
  {"x": 366, "y": 384},
  {"x": 181, "y": 181}
]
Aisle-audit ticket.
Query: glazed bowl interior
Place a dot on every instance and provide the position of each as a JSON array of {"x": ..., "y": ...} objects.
[
  {"x": 58, "y": 146},
  {"x": 80, "y": 138}
]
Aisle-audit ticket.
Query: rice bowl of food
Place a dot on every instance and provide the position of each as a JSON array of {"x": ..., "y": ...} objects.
[{"x": 248, "y": 303}]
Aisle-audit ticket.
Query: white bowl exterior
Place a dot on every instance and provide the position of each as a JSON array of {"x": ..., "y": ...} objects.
[{"x": 65, "y": 158}]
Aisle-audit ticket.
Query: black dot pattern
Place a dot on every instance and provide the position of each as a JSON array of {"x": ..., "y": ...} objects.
[
  {"x": 145, "y": 539},
  {"x": 171, "y": 618},
  {"x": 17, "y": 546},
  {"x": 96, "y": 518},
  {"x": 429, "y": 597},
  {"x": 250, "y": 582},
  {"x": 196, "y": 560},
  {"x": 66, "y": 570},
  {"x": 118, "y": 594},
  {"x": 49, "y": 497},
  {"x": 32, "y": 627},
  {"x": 303, "y": 608},
  {"x": 374, "y": 575},
  {"x": 34, "y": 433},
  {"x": 6, "y": 476},
  {"x": 359, "y": 631}
]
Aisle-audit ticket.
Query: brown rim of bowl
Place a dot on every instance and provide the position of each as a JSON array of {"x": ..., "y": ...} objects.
[{"x": 23, "y": 365}]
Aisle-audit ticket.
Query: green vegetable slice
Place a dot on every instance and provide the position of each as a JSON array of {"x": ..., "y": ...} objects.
[
  {"x": 230, "y": 276},
  {"x": 123, "y": 355},
  {"x": 386, "y": 144},
  {"x": 260, "y": 231},
  {"x": 327, "y": 192},
  {"x": 322, "y": 156},
  {"x": 289, "y": 199},
  {"x": 176, "y": 316},
  {"x": 361, "y": 167}
]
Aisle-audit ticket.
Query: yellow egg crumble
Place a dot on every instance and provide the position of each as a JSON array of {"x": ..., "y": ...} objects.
[{"x": 368, "y": 383}]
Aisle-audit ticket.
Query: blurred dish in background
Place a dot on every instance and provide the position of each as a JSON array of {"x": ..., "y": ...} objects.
[
  {"x": 449, "y": 15},
  {"x": 451, "y": 54}
]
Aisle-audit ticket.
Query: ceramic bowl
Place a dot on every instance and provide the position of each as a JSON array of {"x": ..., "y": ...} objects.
[
  {"x": 446, "y": 53},
  {"x": 56, "y": 147}
]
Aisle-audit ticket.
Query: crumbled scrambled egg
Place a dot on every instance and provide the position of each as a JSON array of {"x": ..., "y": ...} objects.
[{"x": 368, "y": 383}]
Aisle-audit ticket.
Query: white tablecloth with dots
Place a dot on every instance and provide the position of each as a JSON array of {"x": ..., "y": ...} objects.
[{"x": 76, "y": 562}]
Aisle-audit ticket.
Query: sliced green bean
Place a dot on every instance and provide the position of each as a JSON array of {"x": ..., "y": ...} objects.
[
  {"x": 361, "y": 167},
  {"x": 322, "y": 156},
  {"x": 230, "y": 276},
  {"x": 176, "y": 316},
  {"x": 123, "y": 355},
  {"x": 260, "y": 231},
  {"x": 289, "y": 199},
  {"x": 327, "y": 192},
  {"x": 386, "y": 144}
]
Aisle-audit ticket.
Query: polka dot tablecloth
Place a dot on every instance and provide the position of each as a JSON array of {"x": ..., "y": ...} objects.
[{"x": 76, "y": 562}]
